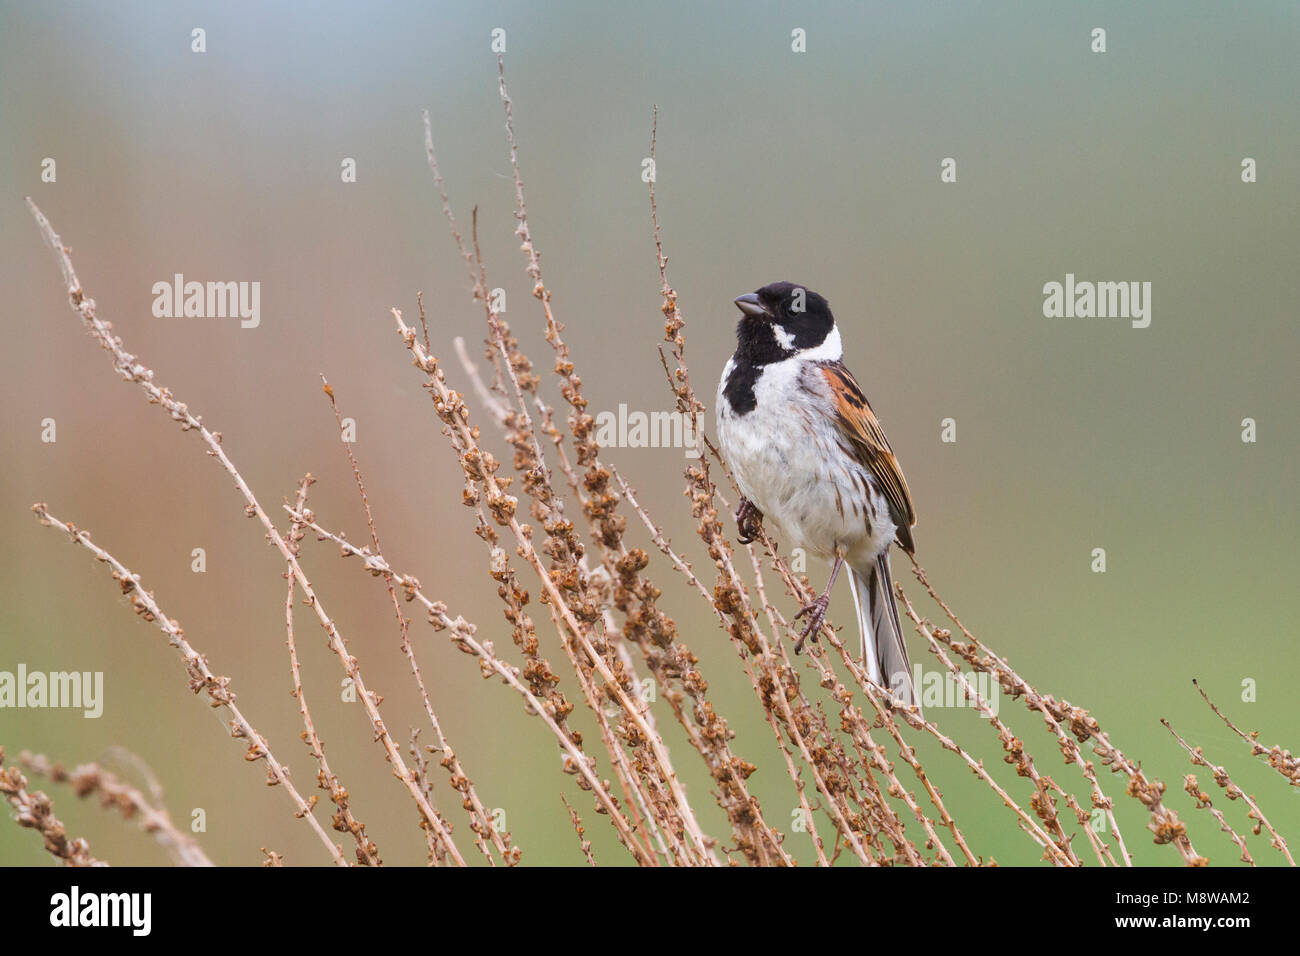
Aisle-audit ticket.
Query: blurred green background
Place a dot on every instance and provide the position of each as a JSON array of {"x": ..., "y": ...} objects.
[{"x": 821, "y": 168}]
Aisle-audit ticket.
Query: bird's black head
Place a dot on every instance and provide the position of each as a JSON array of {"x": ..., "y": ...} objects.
[{"x": 780, "y": 320}]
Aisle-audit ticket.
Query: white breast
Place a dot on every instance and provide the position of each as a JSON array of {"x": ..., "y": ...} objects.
[{"x": 788, "y": 458}]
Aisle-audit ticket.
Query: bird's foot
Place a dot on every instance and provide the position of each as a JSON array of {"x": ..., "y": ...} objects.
[
  {"x": 749, "y": 521},
  {"x": 816, "y": 612}
]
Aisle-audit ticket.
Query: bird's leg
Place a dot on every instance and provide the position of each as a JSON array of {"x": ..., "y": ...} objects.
[
  {"x": 817, "y": 609},
  {"x": 749, "y": 521}
]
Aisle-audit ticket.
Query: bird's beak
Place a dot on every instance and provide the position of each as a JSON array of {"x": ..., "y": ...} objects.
[{"x": 750, "y": 305}]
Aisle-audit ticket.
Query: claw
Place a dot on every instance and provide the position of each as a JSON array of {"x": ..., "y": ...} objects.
[
  {"x": 749, "y": 522},
  {"x": 816, "y": 611}
]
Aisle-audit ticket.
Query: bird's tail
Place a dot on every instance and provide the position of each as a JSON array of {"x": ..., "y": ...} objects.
[{"x": 883, "y": 650}]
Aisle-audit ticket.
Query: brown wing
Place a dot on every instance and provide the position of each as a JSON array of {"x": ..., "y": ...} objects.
[{"x": 868, "y": 439}]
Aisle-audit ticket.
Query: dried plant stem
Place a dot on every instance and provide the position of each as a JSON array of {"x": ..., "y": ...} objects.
[
  {"x": 201, "y": 676},
  {"x": 785, "y": 718},
  {"x": 126, "y": 365},
  {"x": 1164, "y": 822},
  {"x": 877, "y": 697},
  {"x": 1042, "y": 801},
  {"x": 35, "y": 811},
  {"x": 685, "y": 569},
  {"x": 1233, "y": 792},
  {"x": 729, "y": 594},
  {"x": 485, "y": 833},
  {"x": 1072, "y": 754},
  {"x": 645, "y": 791},
  {"x": 420, "y": 767},
  {"x": 804, "y": 729},
  {"x": 653, "y": 631},
  {"x": 442, "y": 192},
  {"x": 643, "y": 815},
  {"x": 1203, "y": 802},
  {"x": 580, "y": 830},
  {"x": 661, "y": 542},
  {"x": 455, "y": 414},
  {"x": 477, "y": 464},
  {"x": 326, "y": 779},
  {"x": 1099, "y": 848},
  {"x": 462, "y": 636},
  {"x": 1278, "y": 758},
  {"x": 90, "y": 779},
  {"x": 495, "y": 408},
  {"x": 778, "y": 686},
  {"x": 530, "y": 461},
  {"x": 852, "y": 717},
  {"x": 665, "y": 665},
  {"x": 1069, "y": 747}
]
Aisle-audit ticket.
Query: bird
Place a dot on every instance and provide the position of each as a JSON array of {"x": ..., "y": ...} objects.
[{"x": 808, "y": 454}]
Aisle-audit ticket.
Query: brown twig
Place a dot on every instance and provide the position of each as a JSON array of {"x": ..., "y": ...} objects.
[
  {"x": 134, "y": 371},
  {"x": 1277, "y": 757},
  {"x": 485, "y": 833},
  {"x": 326, "y": 779},
  {"x": 1233, "y": 792},
  {"x": 463, "y": 637},
  {"x": 1164, "y": 822},
  {"x": 1203, "y": 802},
  {"x": 35, "y": 811},
  {"x": 90, "y": 779},
  {"x": 579, "y": 829},
  {"x": 201, "y": 676}
]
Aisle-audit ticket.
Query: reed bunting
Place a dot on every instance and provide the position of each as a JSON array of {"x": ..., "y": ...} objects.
[{"x": 809, "y": 455}]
